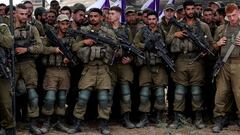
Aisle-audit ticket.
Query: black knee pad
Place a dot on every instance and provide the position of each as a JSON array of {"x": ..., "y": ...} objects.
[
  {"x": 103, "y": 98},
  {"x": 83, "y": 97},
  {"x": 144, "y": 94},
  {"x": 160, "y": 94},
  {"x": 49, "y": 99},
  {"x": 180, "y": 92}
]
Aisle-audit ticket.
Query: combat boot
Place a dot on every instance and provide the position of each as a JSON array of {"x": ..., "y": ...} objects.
[
  {"x": 33, "y": 127},
  {"x": 177, "y": 121},
  {"x": 143, "y": 121},
  {"x": 199, "y": 120},
  {"x": 161, "y": 120},
  {"x": 126, "y": 121},
  {"x": 220, "y": 122},
  {"x": 46, "y": 125},
  {"x": 104, "y": 127},
  {"x": 76, "y": 127},
  {"x": 61, "y": 127}
]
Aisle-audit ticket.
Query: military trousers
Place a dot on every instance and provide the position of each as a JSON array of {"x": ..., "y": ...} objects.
[
  {"x": 6, "y": 109},
  {"x": 228, "y": 83}
]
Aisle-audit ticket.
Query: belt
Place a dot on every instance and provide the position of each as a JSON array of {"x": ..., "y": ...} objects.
[{"x": 188, "y": 55}]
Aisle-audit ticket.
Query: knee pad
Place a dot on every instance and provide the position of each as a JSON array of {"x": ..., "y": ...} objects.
[
  {"x": 103, "y": 98},
  {"x": 160, "y": 94},
  {"x": 49, "y": 100},
  {"x": 61, "y": 98},
  {"x": 196, "y": 93},
  {"x": 83, "y": 97},
  {"x": 144, "y": 95},
  {"x": 180, "y": 92},
  {"x": 33, "y": 97},
  {"x": 125, "y": 90}
]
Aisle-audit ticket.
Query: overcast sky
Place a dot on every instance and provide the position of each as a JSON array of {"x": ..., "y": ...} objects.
[{"x": 14, "y": 1}]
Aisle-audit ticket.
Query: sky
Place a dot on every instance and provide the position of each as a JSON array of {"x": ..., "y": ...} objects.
[{"x": 14, "y": 1}]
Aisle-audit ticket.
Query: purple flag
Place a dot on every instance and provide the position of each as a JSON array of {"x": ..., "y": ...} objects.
[{"x": 123, "y": 7}]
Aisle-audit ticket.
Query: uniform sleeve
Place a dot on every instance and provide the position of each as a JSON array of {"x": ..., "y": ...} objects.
[
  {"x": 170, "y": 36},
  {"x": 37, "y": 46},
  {"x": 219, "y": 33},
  {"x": 77, "y": 44},
  {"x": 138, "y": 40},
  {"x": 207, "y": 31},
  {"x": 6, "y": 38},
  {"x": 48, "y": 49}
]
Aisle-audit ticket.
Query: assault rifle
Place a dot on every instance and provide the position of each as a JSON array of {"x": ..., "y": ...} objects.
[
  {"x": 197, "y": 41},
  {"x": 4, "y": 69},
  {"x": 65, "y": 49},
  {"x": 121, "y": 43},
  {"x": 156, "y": 45}
]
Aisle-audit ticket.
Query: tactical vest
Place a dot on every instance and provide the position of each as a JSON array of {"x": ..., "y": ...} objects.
[
  {"x": 186, "y": 45},
  {"x": 56, "y": 60},
  {"x": 102, "y": 52},
  {"x": 230, "y": 33},
  {"x": 23, "y": 37},
  {"x": 151, "y": 57}
]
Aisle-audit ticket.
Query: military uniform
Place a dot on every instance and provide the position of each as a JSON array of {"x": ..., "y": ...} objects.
[
  {"x": 96, "y": 73},
  {"x": 6, "y": 117},
  {"x": 188, "y": 74},
  {"x": 28, "y": 37},
  {"x": 123, "y": 74},
  {"x": 227, "y": 81},
  {"x": 152, "y": 74}
]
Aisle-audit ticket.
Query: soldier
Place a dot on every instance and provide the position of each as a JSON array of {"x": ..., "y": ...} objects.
[
  {"x": 52, "y": 17},
  {"x": 27, "y": 45},
  {"x": 40, "y": 14},
  {"x": 54, "y": 5},
  {"x": 2, "y": 9},
  {"x": 67, "y": 11},
  {"x": 169, "y": 12},
  {"x": 153, "y": 77},
  {"x": 220, "y": 17},
  {"x": 57, "y": 78},
  {"x": 78, "y": 16},
  {"x": 131, "y": 20},
  {"x": 227, "y": 81},
  {"x": 188, "y": 73},
  {"x": 179, "y": 12},
  {"x": 6, "y": 117},
  {"x": 121, "y": 70},
  {"x": 95, "y": 74},
  {"x": 208, "y": 18},
  {"x": 198, "y": 10},
  {"x": 32, "y": 20}
]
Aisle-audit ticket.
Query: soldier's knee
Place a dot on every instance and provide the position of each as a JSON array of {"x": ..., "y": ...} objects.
[
  {"x": 33, "y": 97},
  {"x": 196, "y": 93},
  {"x": 160, "y": 94},
  {"x": 103, "y": 98},
  {"x": 83, "y": 97},
  {"x": 144, "y": 94},
  {"x": 125, "y": 93},
  {"x": 62, "y": 98},
  {"x": 49, "y": 99},
  {"x": 180, "y": 92}
]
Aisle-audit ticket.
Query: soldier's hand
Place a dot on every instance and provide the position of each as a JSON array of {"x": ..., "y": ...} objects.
[
  {"x": 237, "y": 41},
  {"x": 66, "y": 60},
  {"x": 180, "y": 34},
  {"x": 20, "y": 50},
  {"x": 126, "y": 60},
  {"x": 222, "y": 41},
  {"x": 88, "y": 42},
  {"x": 58, "y": 50}
]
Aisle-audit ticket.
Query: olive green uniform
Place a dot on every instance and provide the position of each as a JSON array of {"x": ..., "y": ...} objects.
[
  {"x": 152, "y": 73},
  {"x": 228, "y": 79},
  {"x": 122, "y": 73},
  {"x": 188, "y": 74},
  {"x": 6, "y": 117},
  {"x": 28, "y": 37},
  {"x": 57, "y": 79},
  {"x": 96, "y": 73}
]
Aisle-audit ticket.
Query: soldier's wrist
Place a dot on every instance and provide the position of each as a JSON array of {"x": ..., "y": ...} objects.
[{"x": 28, "y": 49}]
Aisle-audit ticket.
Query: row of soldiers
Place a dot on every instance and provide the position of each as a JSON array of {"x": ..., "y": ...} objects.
[{"x": 97, "y": 44}]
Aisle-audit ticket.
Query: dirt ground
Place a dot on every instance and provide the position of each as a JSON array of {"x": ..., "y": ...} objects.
[{"x": 117, "y": 129}]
